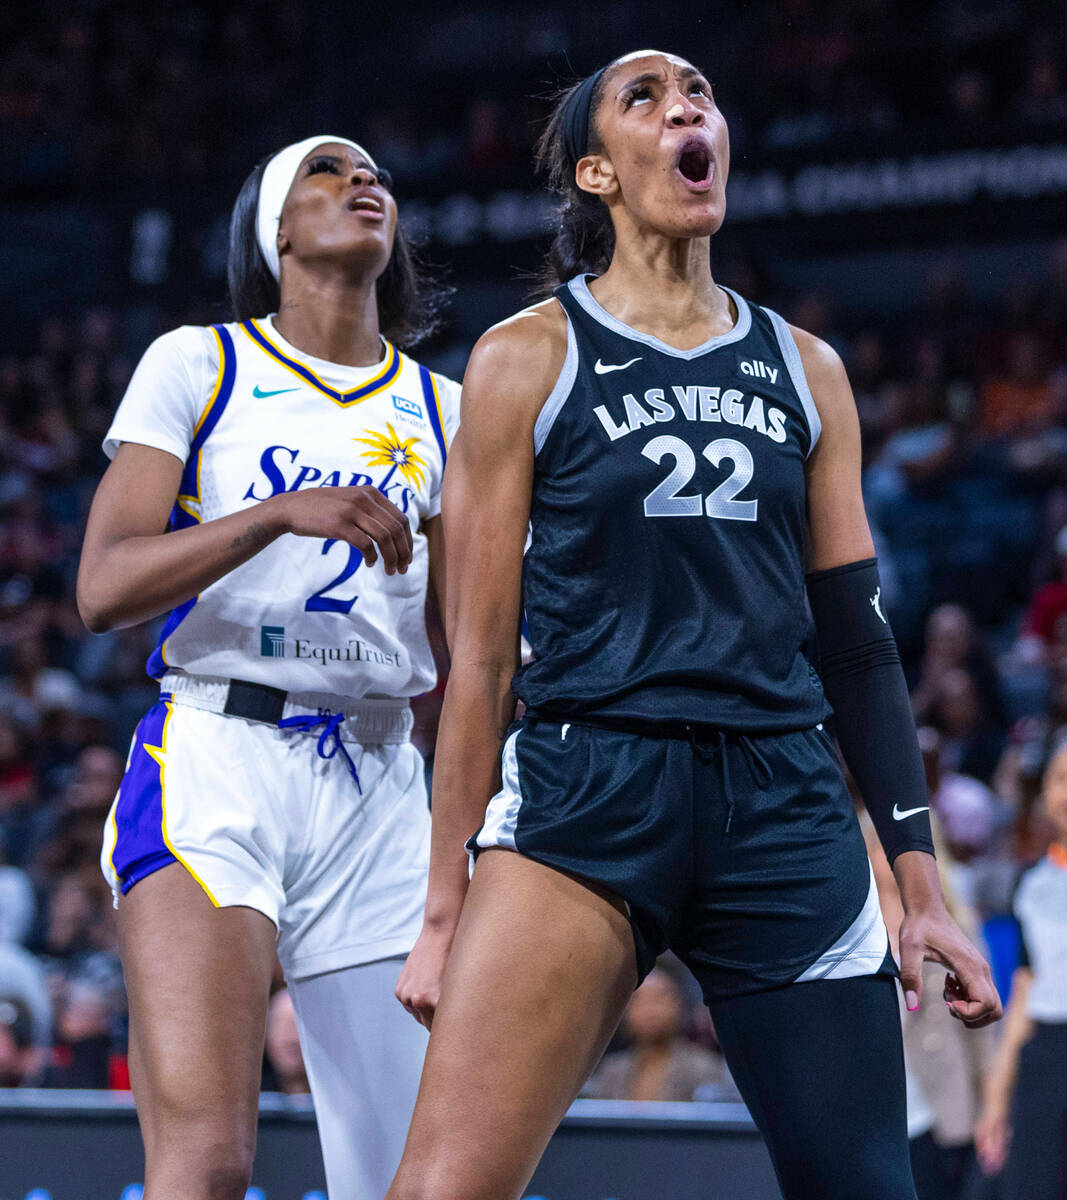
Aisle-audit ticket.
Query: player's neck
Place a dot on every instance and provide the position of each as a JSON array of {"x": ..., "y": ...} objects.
[
  {"x": 331, "y": 321},
  {"x": 663, "y": 286}
]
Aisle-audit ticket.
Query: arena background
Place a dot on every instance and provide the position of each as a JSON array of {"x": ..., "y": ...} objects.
[{"x": 898, "y": 187}]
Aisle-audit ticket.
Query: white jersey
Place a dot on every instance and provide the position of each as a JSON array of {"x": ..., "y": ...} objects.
[{"x": 251, "y": 417}]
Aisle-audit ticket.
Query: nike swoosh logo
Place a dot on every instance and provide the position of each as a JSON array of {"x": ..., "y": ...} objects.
[
  {"x": 260, "y": 394},
  {"x": 602, "y": 369},
  {"x": 899, "y": 816}
]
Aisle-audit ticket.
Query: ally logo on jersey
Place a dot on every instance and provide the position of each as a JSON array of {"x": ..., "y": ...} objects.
[{"x": 282, "y": 469}]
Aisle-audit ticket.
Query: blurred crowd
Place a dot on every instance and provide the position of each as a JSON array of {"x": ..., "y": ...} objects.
[
  {"x": 963, "y": 411},
  {"x": 122, "y": 92}
]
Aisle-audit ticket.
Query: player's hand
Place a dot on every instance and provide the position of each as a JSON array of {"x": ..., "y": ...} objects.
[
  {"x": 419, "y": 986},
  {"x": 360, "y": 516},
  {"x": 929, "y": 934},
  {"x": 992, "y": 1133}
]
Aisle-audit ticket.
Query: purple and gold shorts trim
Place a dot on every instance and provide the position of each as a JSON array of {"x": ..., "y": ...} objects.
[{"x": 141, "y": 845}]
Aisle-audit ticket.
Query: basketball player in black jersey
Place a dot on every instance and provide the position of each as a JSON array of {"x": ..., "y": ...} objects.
[{"x": 680, "y": 458}]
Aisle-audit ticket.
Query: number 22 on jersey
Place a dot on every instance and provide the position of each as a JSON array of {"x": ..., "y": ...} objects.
[{"x": 664, "y": 500}]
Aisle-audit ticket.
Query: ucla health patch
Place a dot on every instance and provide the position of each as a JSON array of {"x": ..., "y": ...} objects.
[{"x": 410, "y": 408}]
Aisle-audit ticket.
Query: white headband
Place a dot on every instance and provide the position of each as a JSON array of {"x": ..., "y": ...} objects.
[{"x": 278, "y": 176}]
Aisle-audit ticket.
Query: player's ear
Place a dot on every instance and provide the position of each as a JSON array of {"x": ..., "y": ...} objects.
[{"x": 596, "y": 175}]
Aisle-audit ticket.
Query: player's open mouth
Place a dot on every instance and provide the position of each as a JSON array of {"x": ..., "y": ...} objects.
[
  {"x": 366, "y": 202},
  {"x": 696, "y": 165}
]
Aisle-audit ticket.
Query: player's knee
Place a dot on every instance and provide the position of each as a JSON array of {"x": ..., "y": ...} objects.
[
  {"x": 216, "y": 1156},
  {"x": 440, "y": 1180},
  {"x": 227, "y": 1179}
]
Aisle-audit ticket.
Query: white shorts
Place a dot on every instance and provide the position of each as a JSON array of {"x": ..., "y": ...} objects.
[{"x": 258, "y": 818}]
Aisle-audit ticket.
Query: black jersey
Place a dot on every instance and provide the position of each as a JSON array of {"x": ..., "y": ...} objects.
[{"x": 664, "y": 579}]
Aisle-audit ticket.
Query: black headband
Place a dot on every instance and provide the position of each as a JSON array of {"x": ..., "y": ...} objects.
[{"x": 576, "y": 118}]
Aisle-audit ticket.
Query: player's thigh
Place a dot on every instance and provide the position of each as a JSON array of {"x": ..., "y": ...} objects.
[
  {"x": 363, "y": 1054},
  {"x": 540, "y": 970},
  {"x": 198, "y": 979},
  {"x": 821, "y": 1067}
]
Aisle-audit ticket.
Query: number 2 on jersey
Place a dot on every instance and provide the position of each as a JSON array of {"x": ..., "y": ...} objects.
[
  {"x": 664, "y": 500},
  {"x": 320, "y": 602}
]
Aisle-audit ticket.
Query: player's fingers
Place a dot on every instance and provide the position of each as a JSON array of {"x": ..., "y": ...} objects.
[
  {"x": 971, "y": 994},
  {"x": 394, "y": 520},
  {"x": 389, "y": 528},
  {"x": 361, "y": 541},
  {"x": 911, "y": 967},
  {"x": 382, "y": 536}
]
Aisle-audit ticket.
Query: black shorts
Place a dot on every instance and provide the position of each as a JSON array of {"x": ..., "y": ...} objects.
[{"x": 741, "y": 854}]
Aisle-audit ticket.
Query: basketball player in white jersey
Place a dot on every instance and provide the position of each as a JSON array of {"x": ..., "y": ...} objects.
[{"x": 272, "y": 798}]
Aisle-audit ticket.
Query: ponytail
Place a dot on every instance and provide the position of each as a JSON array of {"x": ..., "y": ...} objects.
[{"x": 585, "y": 237}]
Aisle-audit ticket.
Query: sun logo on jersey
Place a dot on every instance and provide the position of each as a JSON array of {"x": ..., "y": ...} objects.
[{"x": 395, "y": 453}]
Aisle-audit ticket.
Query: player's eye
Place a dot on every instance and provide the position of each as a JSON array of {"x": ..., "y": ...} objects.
[
  {"x": 637, "y": 95},
  {"x": 316, "y": 165},
  {"x": 700, "y": 87}
]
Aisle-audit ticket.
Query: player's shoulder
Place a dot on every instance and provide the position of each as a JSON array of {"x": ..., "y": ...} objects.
[
  {"x": 820, "y": 360},
  {"x": 524, "y": 353},
  {"x": 194, "y": 349},
  {"x": 826, "y": 379},
  {"x": 535, "y": 329}
]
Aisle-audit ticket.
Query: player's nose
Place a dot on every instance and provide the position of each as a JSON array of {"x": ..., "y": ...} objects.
[{"x": 683, "y": 112}]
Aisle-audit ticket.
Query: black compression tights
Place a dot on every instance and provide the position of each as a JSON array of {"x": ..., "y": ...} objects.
[{"x": 821, "y": 1068}]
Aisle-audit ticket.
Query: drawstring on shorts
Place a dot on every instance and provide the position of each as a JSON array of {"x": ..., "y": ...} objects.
[
  {"x": 332, "y": 722},
  {"x": 758, "y": 766}
]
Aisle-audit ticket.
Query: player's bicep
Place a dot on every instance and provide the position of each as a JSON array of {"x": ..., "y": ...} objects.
[
  {"x": 134, "y": 498},
  {"x": 837, "y": 521},
  {"x": 486, "y": 510}
]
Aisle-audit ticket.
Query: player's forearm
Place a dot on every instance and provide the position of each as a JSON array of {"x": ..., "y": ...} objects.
[
  {"x": 861, "y": 672},
  {"x": 918, "y": 881},
  {"x": 137, "y": 578},
  {"x": 478, "y": 707}
]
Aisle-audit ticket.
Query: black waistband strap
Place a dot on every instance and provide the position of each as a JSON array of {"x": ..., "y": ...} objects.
[
  {"x": 682, "y": 731},
  {"x": 254, "y": 701}
]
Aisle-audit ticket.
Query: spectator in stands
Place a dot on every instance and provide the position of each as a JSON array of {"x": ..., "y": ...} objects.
[
  {"x": 1047, "y": 607},
  {"x": 953, "y": 643},
  {"x": 80, "y": 812},
  {"x": 79, "y": 920},
  {"x": 19, "y": 1057},
  {"x": 81, "y": 1057},
  {"x": 18, "y": 792},
  {"x": 944, "y": 1061},
  {"x": 971, "y": 741},
  {"x": 25, "y": 1017},
  {"x": 1023, "y": 1123},
  {"x": 284, "y": 1056},
  {"x": 659, "y": 1064},
  {"x": 1021, "y": 400},
  {"x": 18, "y": 904}
]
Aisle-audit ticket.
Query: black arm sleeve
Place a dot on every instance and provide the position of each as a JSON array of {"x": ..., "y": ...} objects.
[{"x": 861, "y": 672}]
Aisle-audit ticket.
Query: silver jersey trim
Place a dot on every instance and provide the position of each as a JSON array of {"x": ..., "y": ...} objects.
[
  {"x": 579, "y": 289},
  {"x": 791, "y": 355}
]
